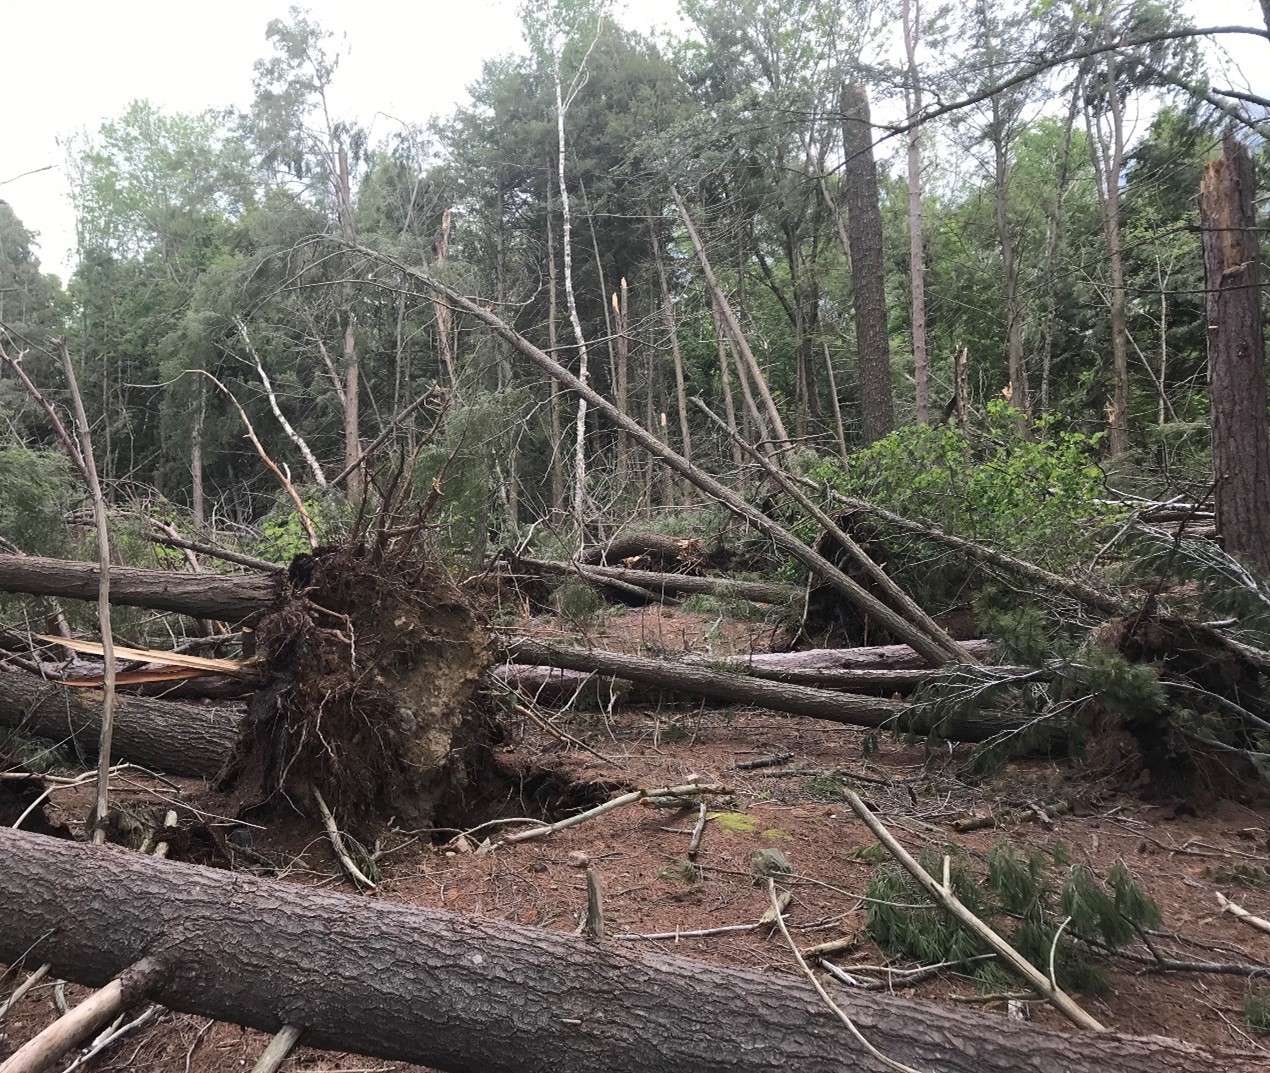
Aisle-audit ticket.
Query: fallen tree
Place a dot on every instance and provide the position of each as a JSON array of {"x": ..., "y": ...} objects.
[
  {"x": 848, "y": 708},
  {"x": 814, "y": 660},
  {"x": 759, "y": 592},
  {"x": 164, "y": 735},
  {"x": 226, "y": 597},
  {"x": 464, "y": 993}
]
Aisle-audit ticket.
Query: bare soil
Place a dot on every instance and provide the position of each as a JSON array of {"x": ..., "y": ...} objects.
[{"x": 1180, "y": 853}]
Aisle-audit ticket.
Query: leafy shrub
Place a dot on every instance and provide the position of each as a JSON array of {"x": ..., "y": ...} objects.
[{"x": 1036, "y": 494}]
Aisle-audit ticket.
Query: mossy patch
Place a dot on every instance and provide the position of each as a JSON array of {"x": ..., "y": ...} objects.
[{"x": 736, "y": 822}]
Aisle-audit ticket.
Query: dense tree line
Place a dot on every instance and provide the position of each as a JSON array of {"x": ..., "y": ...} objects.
[{"x": 1023, "y": 223}]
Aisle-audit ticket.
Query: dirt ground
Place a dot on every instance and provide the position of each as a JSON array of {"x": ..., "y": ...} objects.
[{"x": 1180, "y": 855}]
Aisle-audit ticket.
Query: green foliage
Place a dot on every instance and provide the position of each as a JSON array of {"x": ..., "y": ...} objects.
[
  {"x": 1257, "y": 1010},
  {"x": 1031, "y": 492},
  {"x": 1018, "y": 898},
  {"x": 283, "y": 535},
  {"x": 37, "y": 488},
  {"x": 578, "y": 603}
]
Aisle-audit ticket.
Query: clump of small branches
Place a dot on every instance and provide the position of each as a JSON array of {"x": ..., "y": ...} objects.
[{"x": 1043, "y": 915}]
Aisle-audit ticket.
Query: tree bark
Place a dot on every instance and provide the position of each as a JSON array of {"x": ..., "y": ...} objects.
[
  {"x": 226, "y": 597},
  {"x": 668, "y": 307},
  {"x": 864, "y": 230},
  {"x": 820, "y": 660},
  {"x": 846, "y": 708},
  {"x": 463, "y": 994},
  {"x": 1236, "y": 354},
  {"x": 179, "y": 739},
  {"x": 1107, "y": 154},
  {"x": 911, "y": 19},
  {"x": 556, "y": 405},
  {"x": 759, "y": 592},
  {"x": 724, "y": 307}
]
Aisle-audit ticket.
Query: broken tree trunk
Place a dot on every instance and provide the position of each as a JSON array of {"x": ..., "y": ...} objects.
[
  {"x": 871, "y": 712},
  {"x": 461, "y": 993},
  {"x": 227, "y": 597},
  {"x": 179, "y": 739},
  {"x": 759, "y": 592}
]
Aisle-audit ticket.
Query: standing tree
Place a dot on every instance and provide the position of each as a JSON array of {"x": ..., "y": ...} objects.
[
  {"x": 1236, "y": 354},
  {"x": 864, "y": 229}
]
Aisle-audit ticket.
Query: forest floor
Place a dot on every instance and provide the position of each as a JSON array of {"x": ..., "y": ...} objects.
[{"x": 1179, "y": 853}]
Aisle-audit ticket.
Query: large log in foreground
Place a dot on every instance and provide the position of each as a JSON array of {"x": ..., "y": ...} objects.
[
  {"x": 179, "y": 739},
  {"x": 225, "y": 597},
  {"x": 474, "y": 994},
  {"x": 849, "y": 708}
]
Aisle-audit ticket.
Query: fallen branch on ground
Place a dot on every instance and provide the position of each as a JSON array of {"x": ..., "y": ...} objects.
[{"x": 943, "y": 895}]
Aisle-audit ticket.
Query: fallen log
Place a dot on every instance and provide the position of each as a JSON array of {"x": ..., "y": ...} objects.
[
  {"x": 179, "y": 739},
  {"x": 462, "y": 993},
  {"x": 553, "y": 683},
  {"x": 226, "y": 597},
  {"x": 869, "y": 658},
  {"x": 759, "y": 592},
  {"x": 848, "y": 708}
]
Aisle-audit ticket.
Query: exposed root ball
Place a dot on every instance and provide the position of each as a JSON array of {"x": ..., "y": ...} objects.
[
  {"x": 375, "y": 663},
  {"x": 1195, "y": 746}
]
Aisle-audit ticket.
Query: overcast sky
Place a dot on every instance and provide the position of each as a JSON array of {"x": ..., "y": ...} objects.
[{"x": 71, "y": 64}]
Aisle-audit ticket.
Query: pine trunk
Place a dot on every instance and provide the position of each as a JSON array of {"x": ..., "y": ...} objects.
[
  {"x": 1236, "y": 354},
  {"x": 864, "y": 230},
  {"x": 466, "y": 994}
]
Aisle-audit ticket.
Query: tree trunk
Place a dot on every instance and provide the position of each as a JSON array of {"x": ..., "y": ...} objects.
[
  {"x": 580, "y": 498},
  {"x": 760, "y": 592},
  {"x": 1107, "y": 153},
  {"x": 837, "y": 407},
  {"x": 1020, "y": 396},
  {"x": 668, "y": 307},
  {"x": 621, "y": 371},
  {"x": 729, "y": 317},
  {"x": 163, "y": 735},
  {"x": 911, "y": 17},
  {"x": 818, "y": 660},
  {"x": 961, "y": 387},
  {"x": 196, "y": 453},
  {"x": 557, "y": 404},
  {"x": 445, "y": 319},
  {"x": 466, "y": 994},
  {"x": 864, "y": 229},
  {"x": 1236, "y": 354},
  {"x": 846, "y": 708},
  {"x": 227, "y": 597}
]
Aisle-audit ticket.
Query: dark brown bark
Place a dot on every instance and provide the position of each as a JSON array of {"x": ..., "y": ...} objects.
[
  {"x": 467, "y": 994},
  {"x": 179, "y": 739},
  {"x": 847, "y": 708},
  {"x": 1236, "y": 354},
  {"x": 226, "y": 597},
  {"x": 864, "y": 230}
]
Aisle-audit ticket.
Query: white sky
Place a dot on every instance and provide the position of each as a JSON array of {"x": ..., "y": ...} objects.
[{"x": 71, "y": 64}]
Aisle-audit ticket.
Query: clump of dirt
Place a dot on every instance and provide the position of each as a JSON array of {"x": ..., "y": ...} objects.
[{"x": 375, "y": 660}]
